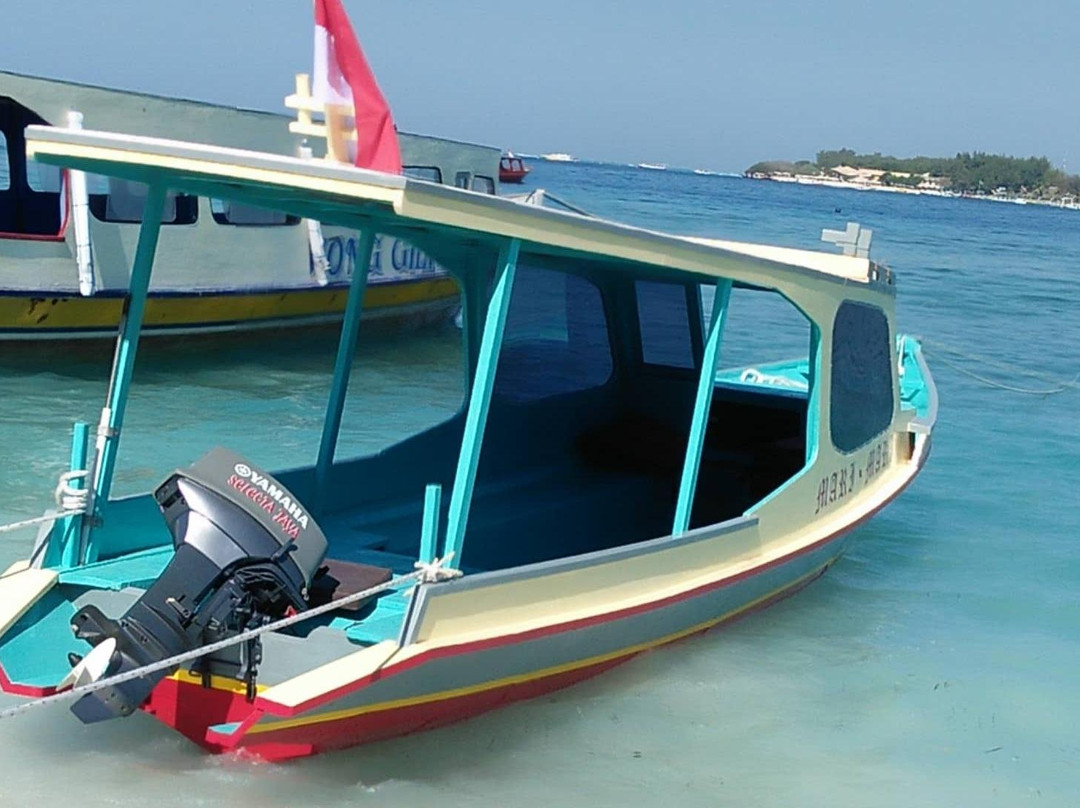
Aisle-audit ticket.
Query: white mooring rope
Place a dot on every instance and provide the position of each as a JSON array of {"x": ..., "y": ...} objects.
[
  {"x": 70, "y": 500},
  {"x": 426, "y": 572},
  {"x": 942, "y": 352}
]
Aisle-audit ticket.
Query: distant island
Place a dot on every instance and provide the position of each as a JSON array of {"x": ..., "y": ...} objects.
[{"x": 990, "y": 176}]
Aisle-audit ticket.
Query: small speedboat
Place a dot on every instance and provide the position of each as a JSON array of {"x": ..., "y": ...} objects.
[{"x": 512, "y": 169}]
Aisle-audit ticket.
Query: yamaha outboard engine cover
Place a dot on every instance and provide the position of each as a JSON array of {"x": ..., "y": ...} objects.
[{"x": 246, "y": 551}]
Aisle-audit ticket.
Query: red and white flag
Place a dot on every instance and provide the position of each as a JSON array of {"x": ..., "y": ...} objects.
[{"x": 342, "y": 76}]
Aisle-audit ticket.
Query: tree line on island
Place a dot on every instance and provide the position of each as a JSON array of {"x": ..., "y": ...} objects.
[{"x": 966, "y": 173}]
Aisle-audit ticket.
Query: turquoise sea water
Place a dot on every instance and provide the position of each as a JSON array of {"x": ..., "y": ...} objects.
[{"x": 937, "y": 664}]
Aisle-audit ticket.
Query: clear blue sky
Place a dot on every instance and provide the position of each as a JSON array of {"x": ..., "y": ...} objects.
[{"x": 697, "y": 83}]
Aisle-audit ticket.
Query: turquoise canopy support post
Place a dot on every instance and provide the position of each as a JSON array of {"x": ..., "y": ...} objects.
[
  {"x": 127, "y": 345},
  {"x": 63, "y": 546},
  {"x": 700, "y": 421},
  {"x": 350, "y": 326},
  {"x": 813, "y": 406},
  {"x": 429, "y": 533},
  {"x": 480, "y": 402}
]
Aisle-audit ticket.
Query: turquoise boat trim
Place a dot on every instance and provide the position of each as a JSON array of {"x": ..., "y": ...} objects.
[
  {"x": 139, "y": 569},
  {"x": 702, "y": 403},
  {"x": 813, "y": 418},
  {"x": 62, "y": 549},
  {"x": 480, "y": 401},
  {"x": 429, "y": 534},
  {"x": 339, "y": 387},
  {"x": 914, "y": 392},
  {"x": 384, "y": 623},
  {"x": 224, "y": 729},
  {"x": 35, "y": 650},
  {"x": 127, "y": 345},
  {"x": 813, "y": 405}
]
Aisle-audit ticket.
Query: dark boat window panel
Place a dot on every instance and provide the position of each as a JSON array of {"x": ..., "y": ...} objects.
[
  {"x": 556, "y": 338},
  {"x": 125, "y": 200},
  {"x": 226, "y": 211},
  {"x": 427, "y": 173},
  {"x": 665, "y": 324},
  {"x": 461, "y": 179},
  {"x": 485, "y": 185},
  {"x": 862, "y": 385}
]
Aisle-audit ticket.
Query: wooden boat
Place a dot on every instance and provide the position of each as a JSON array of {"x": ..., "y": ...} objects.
[
  {"x": 512, "y": 169},
  {"x": 65, "y": 251},
  {"x": 609, "y": 490}
]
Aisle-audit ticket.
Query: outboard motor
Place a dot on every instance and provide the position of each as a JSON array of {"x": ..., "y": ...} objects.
[{"x": 246, "y": 551}]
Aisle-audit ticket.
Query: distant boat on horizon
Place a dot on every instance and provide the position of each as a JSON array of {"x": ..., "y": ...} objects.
[
  {"x": 653, "y": 166},
  {"x": 559, "y": 157}
]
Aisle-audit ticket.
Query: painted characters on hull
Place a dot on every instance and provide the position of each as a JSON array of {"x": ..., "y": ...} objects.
[
  {"x": 856, "y": 473},
  {"x": 263, "y": 493},
  {"x": 391, "y": 259}
]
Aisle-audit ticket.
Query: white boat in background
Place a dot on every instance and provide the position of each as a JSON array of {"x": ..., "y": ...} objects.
[
  {"x": 558, "y": 157},
  {"x": 67, "y": 239},
  {"x": 653, "y": 166}
]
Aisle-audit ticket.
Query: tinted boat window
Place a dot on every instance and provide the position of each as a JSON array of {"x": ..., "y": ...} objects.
[
  {"x": 461, "y": 179},
  {"x": 226, "y": 211},
  {"x": 125, "y": 200},
  {"x": 665, "y": 324},
  {"x": 862, "y": 387},
  {"x": 41, "y": 178},
  {"x": 485, "y": 185},
  {"x": 556, "y": 338},
  {"x": 428, "y": 173}
]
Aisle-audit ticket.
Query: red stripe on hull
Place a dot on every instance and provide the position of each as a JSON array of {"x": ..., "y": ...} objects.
[
  {"x": 508, "y": 639},
  {"x": 16, "y": 689},
  {"x": 383, "y": 724},
  {"x": 316, "y": 736}
]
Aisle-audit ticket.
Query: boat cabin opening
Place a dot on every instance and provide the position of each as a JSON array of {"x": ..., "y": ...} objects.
[
  {"x": 590, "y": 418},
  {"x": 628, "y": 453}
]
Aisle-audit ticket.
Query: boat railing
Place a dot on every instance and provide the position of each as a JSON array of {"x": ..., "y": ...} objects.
[
  {"x": 334, "y": 127},
  {"x": 541, "y": 197}
]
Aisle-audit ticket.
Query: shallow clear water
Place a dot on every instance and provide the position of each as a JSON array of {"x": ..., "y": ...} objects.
[{"x": 936, "y": 664}]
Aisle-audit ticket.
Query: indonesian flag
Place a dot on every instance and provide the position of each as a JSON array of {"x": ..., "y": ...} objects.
[{"x": 342, "y": 77}]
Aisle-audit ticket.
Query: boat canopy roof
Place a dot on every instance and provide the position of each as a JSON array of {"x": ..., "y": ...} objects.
[{"x": 353, "y": 197}]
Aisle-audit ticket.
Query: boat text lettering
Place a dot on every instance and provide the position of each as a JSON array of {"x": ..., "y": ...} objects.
[
  {"x": 403, "y": 258},
  {"x": 259, "y": 488},
  {"x": 856, "y": 473}
]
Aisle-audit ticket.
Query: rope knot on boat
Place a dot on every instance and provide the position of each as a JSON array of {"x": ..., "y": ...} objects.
[
  {"x": 70, "y": 500},
  {"x": 432, "y": 572}
]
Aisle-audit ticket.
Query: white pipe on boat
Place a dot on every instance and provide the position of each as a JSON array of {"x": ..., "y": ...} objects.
[
  {"x": 320, "y": 266},
  {"x": 80, "y": 213}
]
